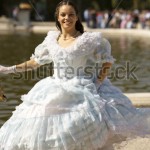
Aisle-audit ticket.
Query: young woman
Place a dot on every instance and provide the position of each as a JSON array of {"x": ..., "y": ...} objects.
[{"x": 78, "y": 108}]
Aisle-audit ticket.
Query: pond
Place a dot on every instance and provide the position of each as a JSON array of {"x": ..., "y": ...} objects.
[{"x": 130, "y": 73}]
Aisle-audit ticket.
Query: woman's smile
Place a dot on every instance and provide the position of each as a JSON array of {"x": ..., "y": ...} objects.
[{"x": 67, "y": 23}]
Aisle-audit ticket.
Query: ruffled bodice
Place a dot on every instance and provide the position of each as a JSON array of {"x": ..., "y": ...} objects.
[{"x": 79, "y": 59}]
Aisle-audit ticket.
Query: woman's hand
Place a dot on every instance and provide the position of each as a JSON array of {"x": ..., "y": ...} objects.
[
  {"x": 102, "y": 75},
  {"x": 98, "y": 84},
  {"x": 7, "y": 70}
]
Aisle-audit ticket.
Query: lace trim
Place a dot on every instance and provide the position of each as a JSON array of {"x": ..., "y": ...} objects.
[{"x": 84, "y": 44}]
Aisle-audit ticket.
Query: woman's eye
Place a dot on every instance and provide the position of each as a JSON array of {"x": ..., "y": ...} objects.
[
  {"x": 71, "y": 15},
  {"x": 63, "y": 15}
]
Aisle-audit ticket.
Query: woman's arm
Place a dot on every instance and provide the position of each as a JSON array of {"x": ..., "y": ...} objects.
[
  {"x": 104, "y": 72},
  {"x": 26, "y": 66}
]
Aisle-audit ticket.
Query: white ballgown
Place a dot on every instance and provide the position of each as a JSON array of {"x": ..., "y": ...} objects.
[{"x": 65, "y": 111}]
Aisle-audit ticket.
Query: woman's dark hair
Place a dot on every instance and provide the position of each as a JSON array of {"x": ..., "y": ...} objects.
[{"x": 78, "y": 25}]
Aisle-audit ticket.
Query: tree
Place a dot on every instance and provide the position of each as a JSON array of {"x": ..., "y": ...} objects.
[{"x": 135, "y": 4}]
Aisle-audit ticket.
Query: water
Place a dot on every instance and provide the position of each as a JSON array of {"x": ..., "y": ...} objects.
[{"x": 17, "y": 48}]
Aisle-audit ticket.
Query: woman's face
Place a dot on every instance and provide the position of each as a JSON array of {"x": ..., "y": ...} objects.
[{"x": 67, "y": 17}]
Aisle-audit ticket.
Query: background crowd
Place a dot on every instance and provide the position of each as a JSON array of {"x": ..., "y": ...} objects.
[{"x": 117, "y": 19}]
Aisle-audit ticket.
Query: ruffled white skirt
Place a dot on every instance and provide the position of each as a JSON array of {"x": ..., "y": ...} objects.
[{"x": 71, "y": 115}]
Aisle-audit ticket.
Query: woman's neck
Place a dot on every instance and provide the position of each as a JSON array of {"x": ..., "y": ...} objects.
[{"x": 69, "y": 34}]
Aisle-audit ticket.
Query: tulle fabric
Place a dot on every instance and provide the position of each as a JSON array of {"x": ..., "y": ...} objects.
[{"x": 70, "y": 115}]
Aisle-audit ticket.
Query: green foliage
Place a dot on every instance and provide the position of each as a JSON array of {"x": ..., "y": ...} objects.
[{"x": 6, "y": 5}]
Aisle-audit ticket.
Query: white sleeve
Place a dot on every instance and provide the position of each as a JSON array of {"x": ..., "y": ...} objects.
[
  {"x": 42, "y": 54},
  {"x": 103, "y": 52}
]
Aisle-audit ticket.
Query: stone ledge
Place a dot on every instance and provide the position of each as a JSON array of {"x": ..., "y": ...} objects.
[
  {"x": 139, "y": 99},
  {"x": 43, "y": 27}
]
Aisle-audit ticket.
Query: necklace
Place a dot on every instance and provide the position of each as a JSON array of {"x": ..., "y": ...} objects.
[{"x": 73, "y": 36}]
